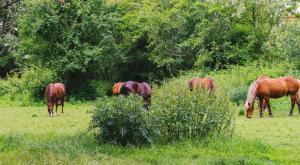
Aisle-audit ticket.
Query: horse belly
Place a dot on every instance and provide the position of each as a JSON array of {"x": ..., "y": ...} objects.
[{"x": 276, "y": 95}]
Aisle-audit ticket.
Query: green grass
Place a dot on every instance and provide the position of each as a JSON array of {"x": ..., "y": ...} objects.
[{"x": 29, "y": 136}]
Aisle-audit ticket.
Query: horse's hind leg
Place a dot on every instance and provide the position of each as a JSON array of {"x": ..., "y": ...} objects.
[
  {"x": 293, "y": 101},
  {"x": 267, "y": 103}
]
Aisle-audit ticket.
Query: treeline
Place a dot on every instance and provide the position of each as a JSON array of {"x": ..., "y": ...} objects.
[{"x": 90, "y": 44}]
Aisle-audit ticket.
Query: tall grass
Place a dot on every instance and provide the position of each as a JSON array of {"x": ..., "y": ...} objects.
[{"x": 183, "y": 114}]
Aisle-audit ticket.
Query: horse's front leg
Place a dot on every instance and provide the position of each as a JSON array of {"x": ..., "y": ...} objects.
[
  {"x": 293, "y": 101},
  {"x": 267, "y": 101},
  {"x": 260, "y": 106}
]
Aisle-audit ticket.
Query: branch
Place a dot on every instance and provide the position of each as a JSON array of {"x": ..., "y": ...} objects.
[{"x": 10, "y": 4}]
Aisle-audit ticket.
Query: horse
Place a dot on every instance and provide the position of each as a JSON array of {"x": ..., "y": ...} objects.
[
  {"x": 55, "y": 94},
  {"x": 202, "y": 83},
  {"x": 143, "y": 89},
  {"x": 266, "y": 88},
  {"x": 116, "y": 89}
]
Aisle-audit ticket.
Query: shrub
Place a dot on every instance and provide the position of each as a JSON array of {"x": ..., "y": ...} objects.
[
  {"x": 122, "y": 120},
  {"x": 238, "y": 95},
  {"x": 180, "y": 113},
  {"x": 28, "y": 88},
  {"x": 241, "y": 111}
]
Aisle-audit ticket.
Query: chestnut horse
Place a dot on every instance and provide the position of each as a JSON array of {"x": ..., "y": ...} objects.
[
  {"x": 202, "y": 83},
  {"x": 143, "y": 89},
  {"x": 266, "y": 88},
  {"x": 116, "y": 89},
  {"x": 55, "y": 94}
]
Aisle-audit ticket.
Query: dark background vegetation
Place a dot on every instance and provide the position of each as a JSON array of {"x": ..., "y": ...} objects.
[{"x": 88, "y": 45}]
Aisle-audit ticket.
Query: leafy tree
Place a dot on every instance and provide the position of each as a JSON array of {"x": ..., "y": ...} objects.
[
  {"x": 8, "y": 35},
  {"x": 78, "y": 40}
]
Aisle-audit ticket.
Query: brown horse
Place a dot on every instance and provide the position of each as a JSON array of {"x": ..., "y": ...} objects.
[
  {"x": 266, "y": 88},
  {"x": 202, "y": 83},
  {"x": 116, "y": 90},
  {"x": 143, "y": 89},
  {"x": 55, "y": 94}
]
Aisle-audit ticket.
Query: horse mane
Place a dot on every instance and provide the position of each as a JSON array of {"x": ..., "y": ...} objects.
[
  {"x": 252, "y": 92},
  {"x": 253, "y": 89}
]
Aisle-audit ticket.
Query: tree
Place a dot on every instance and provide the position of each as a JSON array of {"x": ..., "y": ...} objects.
[
  {"x": 77, "y": 40},
  {"x": 8, "y": 35}
]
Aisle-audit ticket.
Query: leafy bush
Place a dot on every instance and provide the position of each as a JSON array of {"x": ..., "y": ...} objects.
[
  {"x": 180, "y": 113},
  {"x": 122, "y": 120},
  {"x": 28, "y": 88},
  {"x": 239, "y": 95}
]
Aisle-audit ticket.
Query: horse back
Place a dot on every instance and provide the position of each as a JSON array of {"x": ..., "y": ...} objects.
[
  {"x": 206, "y": 83},
  {"x": 59, "y": 90},
  {"x": 278, "y": 87},
  {"x": 132, "y": 87}
]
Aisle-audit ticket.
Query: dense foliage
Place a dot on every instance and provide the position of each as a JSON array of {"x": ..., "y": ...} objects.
[
  {"x": 90, "y": 44},
  {"x": 27, "y": 90},
  {"x": 8, "y": 35},
  {"x": 122, "y": 120}
]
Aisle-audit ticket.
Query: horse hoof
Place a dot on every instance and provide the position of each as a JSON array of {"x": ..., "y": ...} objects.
[
  {"x": 270, "y": 115},
  {"x": 290, "y": 114}
]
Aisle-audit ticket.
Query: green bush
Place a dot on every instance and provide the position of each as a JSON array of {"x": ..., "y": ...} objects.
[
  {"x": 122, "y": 120},
  {"x": 239, "y": 95},
  {"x": 28, "y": 88},
  {"x": 181, "y": 113}
]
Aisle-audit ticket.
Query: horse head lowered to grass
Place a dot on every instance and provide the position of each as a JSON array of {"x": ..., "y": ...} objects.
[
  {"x": 55, "y": 94},
  {"x": 265, "y": 88}
]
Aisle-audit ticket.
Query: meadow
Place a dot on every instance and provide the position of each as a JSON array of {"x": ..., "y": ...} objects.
[
  {"x": 89, "y": 45},
  {"x": 29, "y": 136}
]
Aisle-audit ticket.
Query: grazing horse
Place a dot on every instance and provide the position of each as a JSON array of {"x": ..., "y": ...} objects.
[
  {"x": 55, "y": 94},
  {"x": 143, "y": 89},
  {"x": 116, "y": 90},
  {"x": 266, "y": 88},
  {"x": 202, "y": 83}
]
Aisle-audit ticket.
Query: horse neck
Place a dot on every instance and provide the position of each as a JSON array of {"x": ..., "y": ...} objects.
[{"x": 252, "y": 92}]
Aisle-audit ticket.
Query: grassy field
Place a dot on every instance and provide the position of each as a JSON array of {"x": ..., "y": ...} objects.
[{"x": 29, "y": 136}]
